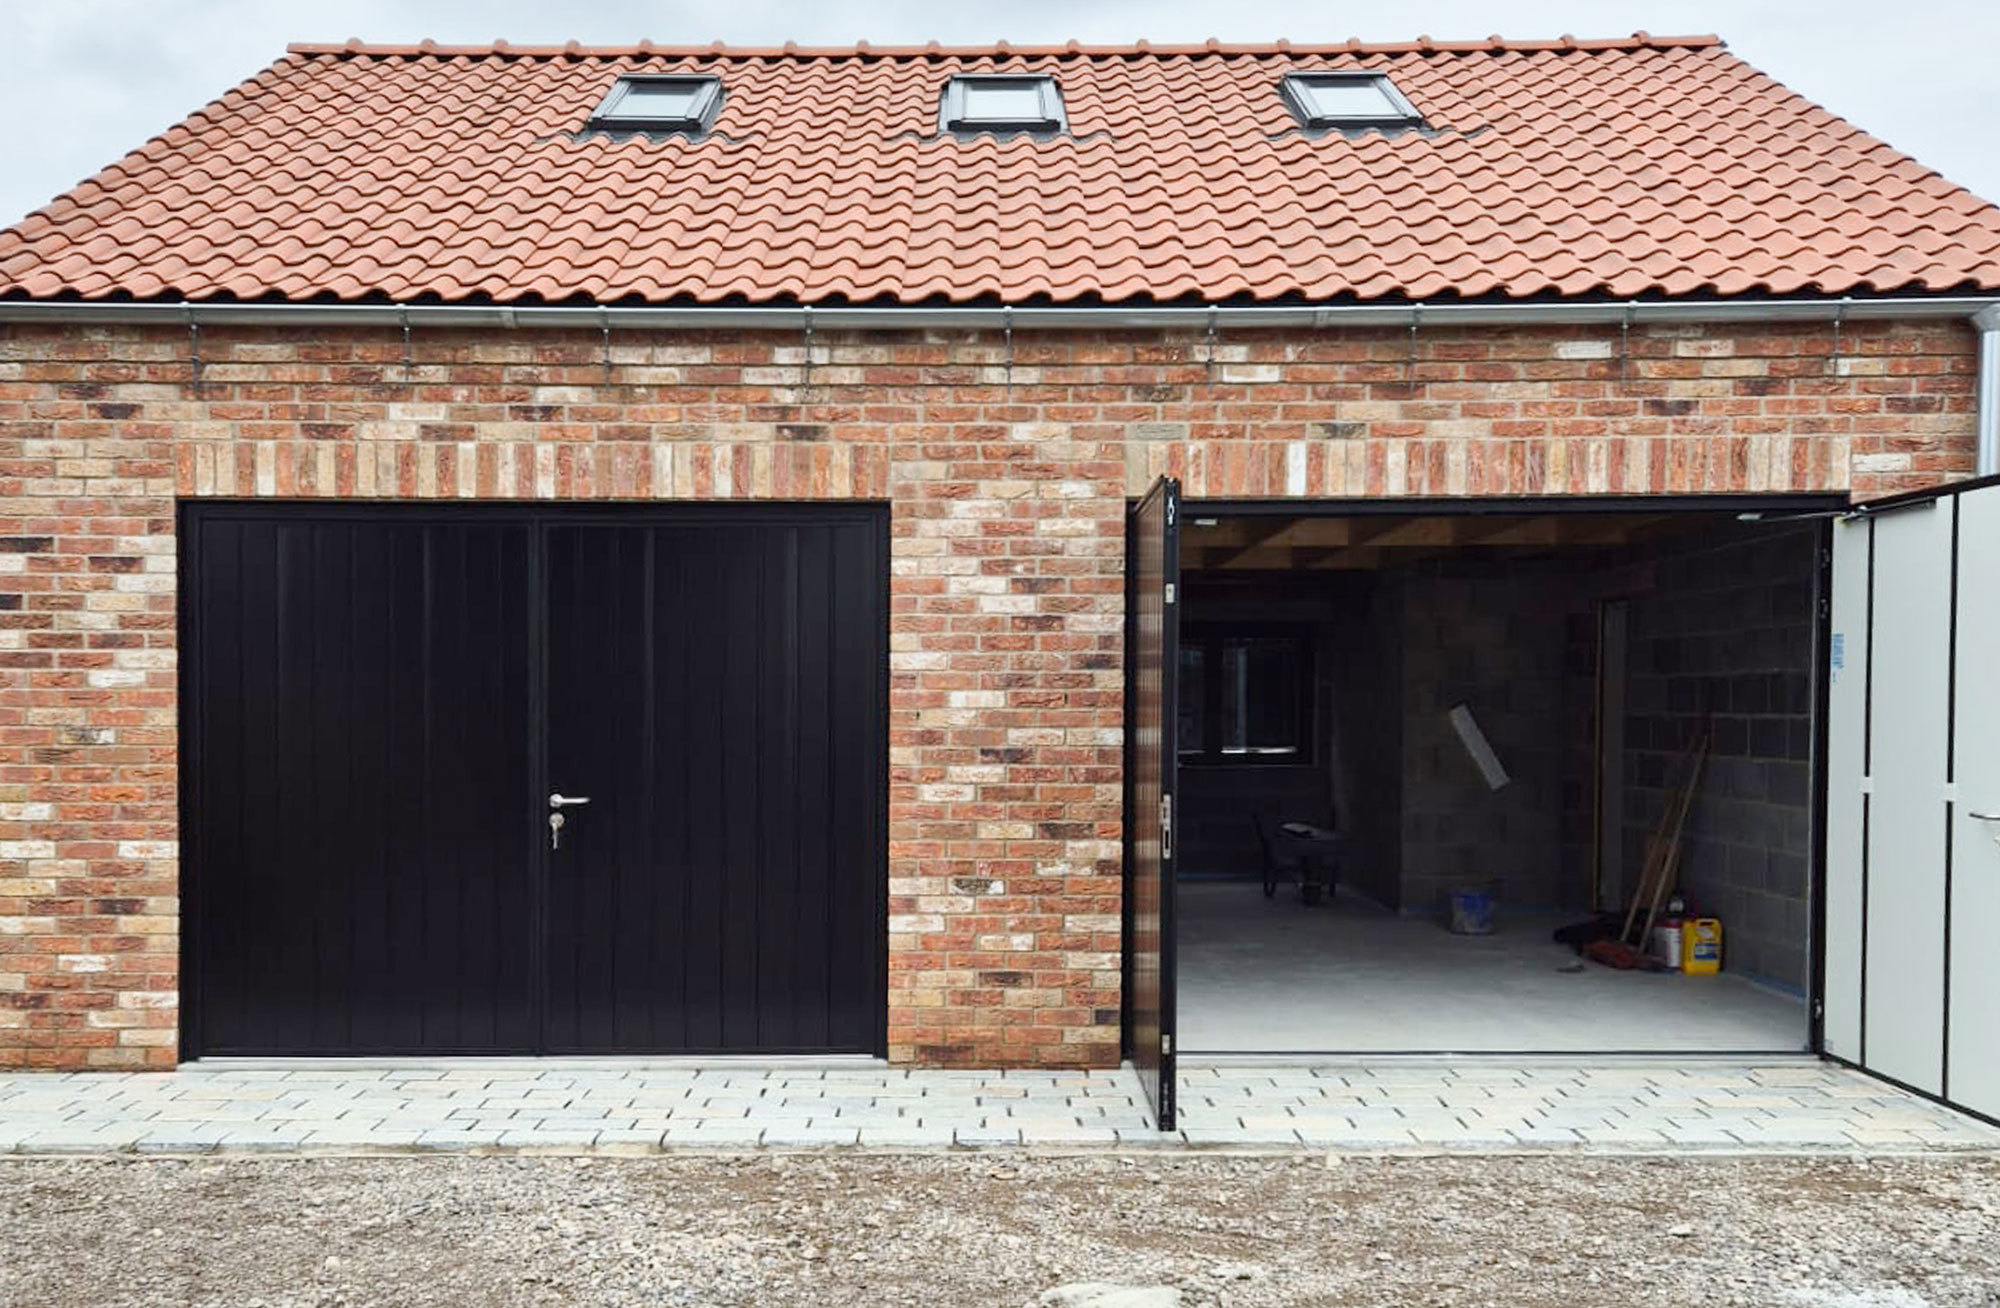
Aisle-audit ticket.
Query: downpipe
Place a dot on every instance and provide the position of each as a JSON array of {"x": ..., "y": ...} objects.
[{"x": 1987, "y": 321}]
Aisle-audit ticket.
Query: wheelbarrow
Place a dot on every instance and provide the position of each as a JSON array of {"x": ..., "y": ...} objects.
[{"x": 1303, "y": 853}]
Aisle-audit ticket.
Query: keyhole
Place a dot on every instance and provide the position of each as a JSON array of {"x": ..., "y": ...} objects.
[{"x": 555, "y": 830}]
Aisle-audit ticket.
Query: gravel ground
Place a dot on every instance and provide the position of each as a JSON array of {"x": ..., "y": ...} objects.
[{"x": 946, "y": 1229}]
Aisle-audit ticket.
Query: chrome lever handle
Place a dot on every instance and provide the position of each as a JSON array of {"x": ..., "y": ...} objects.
[{"x": 560, "y": 800}]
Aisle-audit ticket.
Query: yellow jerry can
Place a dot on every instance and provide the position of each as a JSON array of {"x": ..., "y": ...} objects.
[{"x": 1701, "y": 946}]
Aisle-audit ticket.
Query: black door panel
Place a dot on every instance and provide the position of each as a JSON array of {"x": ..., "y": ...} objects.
[
  {"x": 1151, "y": 759},
  {"x": 360, "y": 888},
  {"x": 721, "y": 889},
  {"x": 379, "y": 701}
]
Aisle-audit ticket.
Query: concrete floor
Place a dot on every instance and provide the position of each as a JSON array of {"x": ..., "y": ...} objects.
[{"x": 1260, "y": 975}]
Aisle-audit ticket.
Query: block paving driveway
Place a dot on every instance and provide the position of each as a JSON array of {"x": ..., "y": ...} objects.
[{"x": 646, "y": 1107}]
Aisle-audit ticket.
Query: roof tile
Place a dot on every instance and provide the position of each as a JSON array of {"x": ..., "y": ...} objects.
[{"x": 1643, "y": 165}]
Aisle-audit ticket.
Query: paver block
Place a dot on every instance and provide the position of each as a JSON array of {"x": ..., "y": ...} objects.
[
  {"x": 1702, "y": 1135},
  {"x": 1621, "y": 1135},
  {"x": 898, "y": 1137},
  {"x": 1063, "y": 1135},
  {"x": 80, "y": 1142},
  {"x": 989, "y": 1136},
  {"x": 557, "y": 1139},
  {"x": 1374, "y": 1140},
  {"x": 712, "y": 1134},
  {"x": 1147, "y": 1135},
  {"x": 175, "y": 1144},
  {"x": 1546, "y": 1135},
  {"x": 801, "y": 1136}
]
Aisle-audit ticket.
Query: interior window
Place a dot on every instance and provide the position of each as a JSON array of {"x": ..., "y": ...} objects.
[
  {"x": 1260, "y": 696},
  {"x": 1193, "y": 737},
  {"x": 1246, "y": 697}
]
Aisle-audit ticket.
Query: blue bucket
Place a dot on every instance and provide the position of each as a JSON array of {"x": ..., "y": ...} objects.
[{"x": 1472, "y": 912}]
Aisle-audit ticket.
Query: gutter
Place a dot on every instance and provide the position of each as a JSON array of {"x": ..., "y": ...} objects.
[
  {"x": 1987, "y": 320},
  {"x": 794, "y": 318}
]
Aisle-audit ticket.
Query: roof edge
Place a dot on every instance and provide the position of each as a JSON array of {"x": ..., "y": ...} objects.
[{"x": 866, "y": 50}]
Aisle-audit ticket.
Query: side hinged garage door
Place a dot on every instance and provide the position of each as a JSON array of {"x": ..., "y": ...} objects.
[
  {"x": 1913, "y": 795},
  {"x": 1151, "y": 759},
  {"x": 496, "y": 780}
]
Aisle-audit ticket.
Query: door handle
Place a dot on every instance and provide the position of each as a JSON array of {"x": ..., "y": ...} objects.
[
  {"x": 1983, "y": 817},
  {"x": 560, "y": 800}
]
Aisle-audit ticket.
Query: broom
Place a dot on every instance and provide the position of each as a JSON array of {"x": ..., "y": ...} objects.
[{"x": 1656, "y": 876}]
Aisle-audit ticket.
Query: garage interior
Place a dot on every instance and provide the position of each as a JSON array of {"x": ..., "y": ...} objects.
[{"x": 1597, "y": 655}]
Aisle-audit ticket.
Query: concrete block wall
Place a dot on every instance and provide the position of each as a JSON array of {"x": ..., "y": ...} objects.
[
  {"x": 1489, "y": 635},
  {"x": 1728, "y": 636},
  {"x": 1371, "y": 716},
  {"x": 1576, "y": 889},
  {"x": 1007, "y": 478}
]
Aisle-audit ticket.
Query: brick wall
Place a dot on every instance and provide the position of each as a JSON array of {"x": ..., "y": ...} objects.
[{"x": 1008, "y": 487}]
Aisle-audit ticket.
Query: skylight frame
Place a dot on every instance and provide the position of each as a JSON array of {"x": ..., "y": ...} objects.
[
  {"x": 699, "y": 117},
  {"x": 1297, "y": 91},
  {"x": 954, "y": 120}
]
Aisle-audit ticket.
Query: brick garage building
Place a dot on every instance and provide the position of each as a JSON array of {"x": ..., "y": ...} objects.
[{"x": 418, "y": 277}]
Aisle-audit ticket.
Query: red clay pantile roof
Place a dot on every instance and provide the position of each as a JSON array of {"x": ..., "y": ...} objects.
[{"x": 1634, "y": 167}]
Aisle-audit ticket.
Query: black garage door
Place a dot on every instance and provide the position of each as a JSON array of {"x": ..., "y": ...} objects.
[{"x": 386, "y": 708}]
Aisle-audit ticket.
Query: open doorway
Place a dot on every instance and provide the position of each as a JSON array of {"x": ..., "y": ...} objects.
[{"x": 1413, "y": 745}]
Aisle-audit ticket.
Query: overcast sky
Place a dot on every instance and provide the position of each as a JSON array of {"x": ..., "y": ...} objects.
[{"x": 92, "y": 79}]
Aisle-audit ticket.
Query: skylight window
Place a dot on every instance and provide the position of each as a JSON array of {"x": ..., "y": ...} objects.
[
  {"x": 1348, "y": 100},
  {"x": 659, "y": 104},
  {"x": 1001, "y": 103}
]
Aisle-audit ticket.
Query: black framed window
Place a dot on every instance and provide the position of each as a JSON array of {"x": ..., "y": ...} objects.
[
  {"x": 1347, "y": 99},
  {"x": 1246, "y": 695},
  {"x": 659, "y": 104},
  {"x": 996, "y": 102}
]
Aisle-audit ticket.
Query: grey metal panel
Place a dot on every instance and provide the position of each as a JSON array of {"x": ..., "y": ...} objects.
[
  {"x": 1909, "y": 726},
  {"x": 1973, "y": 1035},
  {"x": 1846, "y": 746}
]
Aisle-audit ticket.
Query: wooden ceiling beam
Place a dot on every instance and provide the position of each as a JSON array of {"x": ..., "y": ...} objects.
[
  {"x": 1411, "y": 531},
  {"x": 1622, "y": 529},
  {"x": 1481, "y": 528},
  {"x": 1347, "y": 558},
  {"x": 1256, "y": 533},
  {"x": 1524, "y": 531}
]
